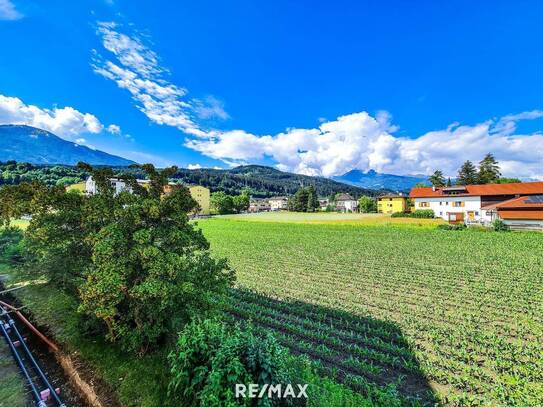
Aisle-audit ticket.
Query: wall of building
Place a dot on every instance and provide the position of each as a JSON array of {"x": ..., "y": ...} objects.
[
  {"x": 521, "y": 224},
  {"x": 442, "y": 206},
  {"x": 202, "y": 195},
  {"x": 278, "y": 204},
  {"x": 391, "y": 205}
]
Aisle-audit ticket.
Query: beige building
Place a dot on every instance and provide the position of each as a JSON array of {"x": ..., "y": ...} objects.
[
  {"x": 202, "y": 195},
  {"x": 278, "y": 203}
]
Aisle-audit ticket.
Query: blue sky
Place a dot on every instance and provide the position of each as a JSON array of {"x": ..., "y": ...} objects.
[{"x": 312, "y": 87}]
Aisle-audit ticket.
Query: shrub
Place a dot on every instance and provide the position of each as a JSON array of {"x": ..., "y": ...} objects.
[
  {"x": 500, "y": 226},
  {"x": 210, "y": 359},
  {"x": 423, "y": 213}
]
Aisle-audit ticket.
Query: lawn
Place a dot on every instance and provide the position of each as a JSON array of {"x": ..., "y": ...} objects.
[
  {"x": 332, "y": 218},
  {"x": 414, "y": 311},
  {"x": 80, "y": 186}
]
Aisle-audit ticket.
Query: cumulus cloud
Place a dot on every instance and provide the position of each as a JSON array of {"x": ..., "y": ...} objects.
[
  {"x": 137, "y": 69},
  {"x": 194, "y": 166},
  {"x": 8, "y": 11},
  {"x": 65, "y": 122},
  {"x": 361, "y": 141}
]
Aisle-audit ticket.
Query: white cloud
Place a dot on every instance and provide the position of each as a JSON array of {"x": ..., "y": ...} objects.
[
  {"x": 114, "y": 129},
  {"x": 357, "y": 140},
  {"x": 8, "y": 11},
  {"x": 508, "y": 124},
  {"x": 194, "y": 166},
  {"x": 210, "y": 107},
  {"x": 65, "y": 122},
  {"x": 81, "y": 141},
  {"x": 364, "y": 142},
  {"x": 137, "y": 69}
]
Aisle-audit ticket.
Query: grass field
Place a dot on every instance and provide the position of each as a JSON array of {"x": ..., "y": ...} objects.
[
  {"x": 333, "y": 218},
  {"x": 413, "y": 311}
]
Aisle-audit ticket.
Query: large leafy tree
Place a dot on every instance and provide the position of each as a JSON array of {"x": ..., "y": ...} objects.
[
  {"x": 467, "y": 175},
  {"x": 437, "y": 179},
  {"x": 222, "y": 203},
  {"x": 367, "y": 204},
  {"x": 241, "y": 201},
  {"x": 138, "y": 267},
  {"x": 489, "y": 170}
]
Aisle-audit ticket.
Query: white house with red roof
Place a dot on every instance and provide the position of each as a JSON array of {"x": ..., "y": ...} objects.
[{"x": 471, "y": 203}]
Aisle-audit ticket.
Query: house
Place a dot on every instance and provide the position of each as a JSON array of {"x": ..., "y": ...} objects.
[
  {"x": 392, "y": 203},
  {"x": 259, "y": 205},
  {"x": 323, "y": 203},
  {"x": 278, "y": 203},
  {"x": 525, "y": 212},
  {"x": 471, "y": 203},
  {"x": 118, "y": 185},
  {"x": 346, "y": 203},
  {"x": 202, "y": 195}
]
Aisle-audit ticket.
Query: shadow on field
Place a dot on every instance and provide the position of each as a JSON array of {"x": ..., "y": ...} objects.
[{"x": 367, "y": 354}]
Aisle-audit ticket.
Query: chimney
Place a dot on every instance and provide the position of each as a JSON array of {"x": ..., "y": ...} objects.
[{"x": 434, "y": 188}]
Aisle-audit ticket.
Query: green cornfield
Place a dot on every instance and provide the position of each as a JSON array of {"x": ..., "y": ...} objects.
[{"x": 422, "y": 315}]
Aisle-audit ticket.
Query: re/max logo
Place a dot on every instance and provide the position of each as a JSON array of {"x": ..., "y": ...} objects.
[{"x": 254, "y": 390}]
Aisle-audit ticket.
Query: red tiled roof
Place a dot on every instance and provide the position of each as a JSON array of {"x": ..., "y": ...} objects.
[
  {"x": 523, "y": 202},
  {"x": 526, "y": 214},
  {"x": 520, "y": 188}
]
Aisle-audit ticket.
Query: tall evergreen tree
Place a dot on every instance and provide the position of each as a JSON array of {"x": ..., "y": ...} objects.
[
  {"x": 467, "y": 174},
  {"x": 489, "y": 170},
  {"x": 449, "y": 182},
  {"x": 312, "y": 200},
  {"x": 437, "y": 179}
]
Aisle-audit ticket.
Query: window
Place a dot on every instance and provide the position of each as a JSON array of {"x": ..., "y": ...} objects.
[
  {"x": 424, "y": 204},
  {"x": 458, "y": 204},
  {"x": 441, "y": 203},
  {"x": 440, "y": 213}
]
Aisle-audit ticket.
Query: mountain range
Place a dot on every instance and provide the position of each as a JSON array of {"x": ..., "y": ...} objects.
[
  {"x": 32, "y": 145},
  {"x": 29, "y": 144},
  {"x": 375, "y": 180}
]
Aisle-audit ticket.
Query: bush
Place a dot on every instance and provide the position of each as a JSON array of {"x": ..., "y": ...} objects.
[
  {"x": 423, "y": 213},
  {"x": 500, "y": 226},
  {"x": 419, "y": 213},
  {"x": 210, "y": 359},
  {"x": 401, "y": 215}
]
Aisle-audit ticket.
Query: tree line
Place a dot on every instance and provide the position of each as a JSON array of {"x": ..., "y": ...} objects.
[{"x": 488, "y": 172}]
